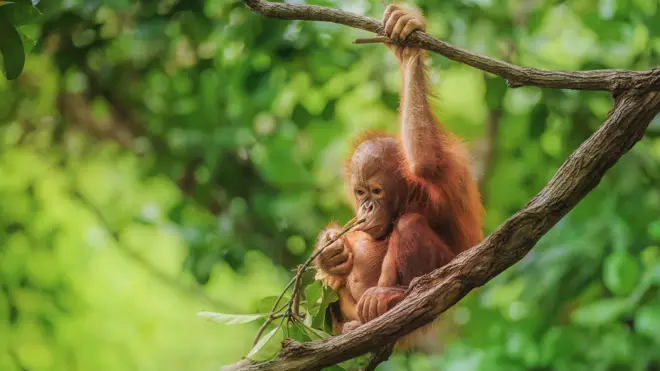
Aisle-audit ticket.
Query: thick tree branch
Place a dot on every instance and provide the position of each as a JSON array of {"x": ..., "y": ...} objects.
[{"x": 516, "y": 76}]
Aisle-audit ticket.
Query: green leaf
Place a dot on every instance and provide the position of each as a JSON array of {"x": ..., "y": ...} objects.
[
  {"x": 318, "y": 320},
  {"x": 328, "y": 298},
  {"x": 297, "y": 332},
  {"x": 308, "y": 319},
  {"x": 621, "y": 273},
  {"x": 308, "y": 278},
  {"x": 600, "y": 312},
  {"x": 231, "y": 319},
  {"x": 265, "y": 305},
  {"x": 319, "y": 334},
  {"x": 313, "y": 294},
  {"x": 260, "y": 352},
  {"x": 20, "y": 14},
  {"x": 647, "y": 322},
  {"x": 11, "y": 50}
]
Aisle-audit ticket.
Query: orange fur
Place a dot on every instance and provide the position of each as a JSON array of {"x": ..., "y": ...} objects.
[{"x": 435, "y": 177}]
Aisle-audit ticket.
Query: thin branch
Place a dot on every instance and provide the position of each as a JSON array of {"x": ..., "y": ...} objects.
[
  {"x": 274, "y": 311},
  {"x": 292, "y": 305},
  {"x": 516, "y": 76},
  {"x": 295, "y": 299}
]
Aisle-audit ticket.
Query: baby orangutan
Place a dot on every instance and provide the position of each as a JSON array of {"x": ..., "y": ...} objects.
[{"x": 417, "y": 195}]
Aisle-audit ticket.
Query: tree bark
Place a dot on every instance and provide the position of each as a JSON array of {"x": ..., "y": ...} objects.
[{"x": 516, "y": 76}]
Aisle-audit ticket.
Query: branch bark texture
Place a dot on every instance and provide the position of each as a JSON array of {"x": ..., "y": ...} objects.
[
  {"x": 516, "y": 76},
  {"x": 636, "y": 104}
]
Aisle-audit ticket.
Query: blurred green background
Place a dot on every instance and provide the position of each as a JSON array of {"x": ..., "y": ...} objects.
[{"x": 158, "y": 158}]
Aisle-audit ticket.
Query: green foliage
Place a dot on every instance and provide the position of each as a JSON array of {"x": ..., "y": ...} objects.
[
  {"x": 599, "y": 313},
  {"x": 310, "y": 322},
  {"x": 231, "y": 319},
  {"x": 163, "y": 158},
  {"x": 261, "y": 351},
  {"x": 621, "y": 273},
  {"x": 14, "y": 44}
]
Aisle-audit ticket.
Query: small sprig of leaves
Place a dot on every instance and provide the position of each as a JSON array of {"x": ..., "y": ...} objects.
[
  {"x": 16, "y": 26},
  {"x": 302, "y": 314}
]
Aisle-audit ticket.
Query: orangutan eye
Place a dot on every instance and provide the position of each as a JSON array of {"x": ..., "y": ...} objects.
[
  {"x": 376, "y": 191},
  {"x": 359, "y": 192}
]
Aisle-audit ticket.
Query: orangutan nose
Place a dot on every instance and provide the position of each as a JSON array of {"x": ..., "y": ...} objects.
[{"x": 367, "y": 208}]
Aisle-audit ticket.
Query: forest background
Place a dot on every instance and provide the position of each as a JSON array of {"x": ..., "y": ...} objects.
[{"x": 158, "y": 158}]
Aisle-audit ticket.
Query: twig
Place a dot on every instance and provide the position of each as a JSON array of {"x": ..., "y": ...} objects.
[
  {"x": 270, "y": 319},
  {"x": 293, "y": 304},
  {"x": 296, "y": 293},
  {"x": 516, "y": 76},
  {"x": 296, "y": 288},
  {"x": 273, "y": 311},
  {"x": 350, "y": 225}
]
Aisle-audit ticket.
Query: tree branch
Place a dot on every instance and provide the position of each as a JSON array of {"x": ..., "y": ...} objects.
[{"x": 516, "y": 76}]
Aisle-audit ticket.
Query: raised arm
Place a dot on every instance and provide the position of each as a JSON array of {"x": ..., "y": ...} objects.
[
  {"x": 423, "y": 141},
  {"x": 435, "y": 156}
]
